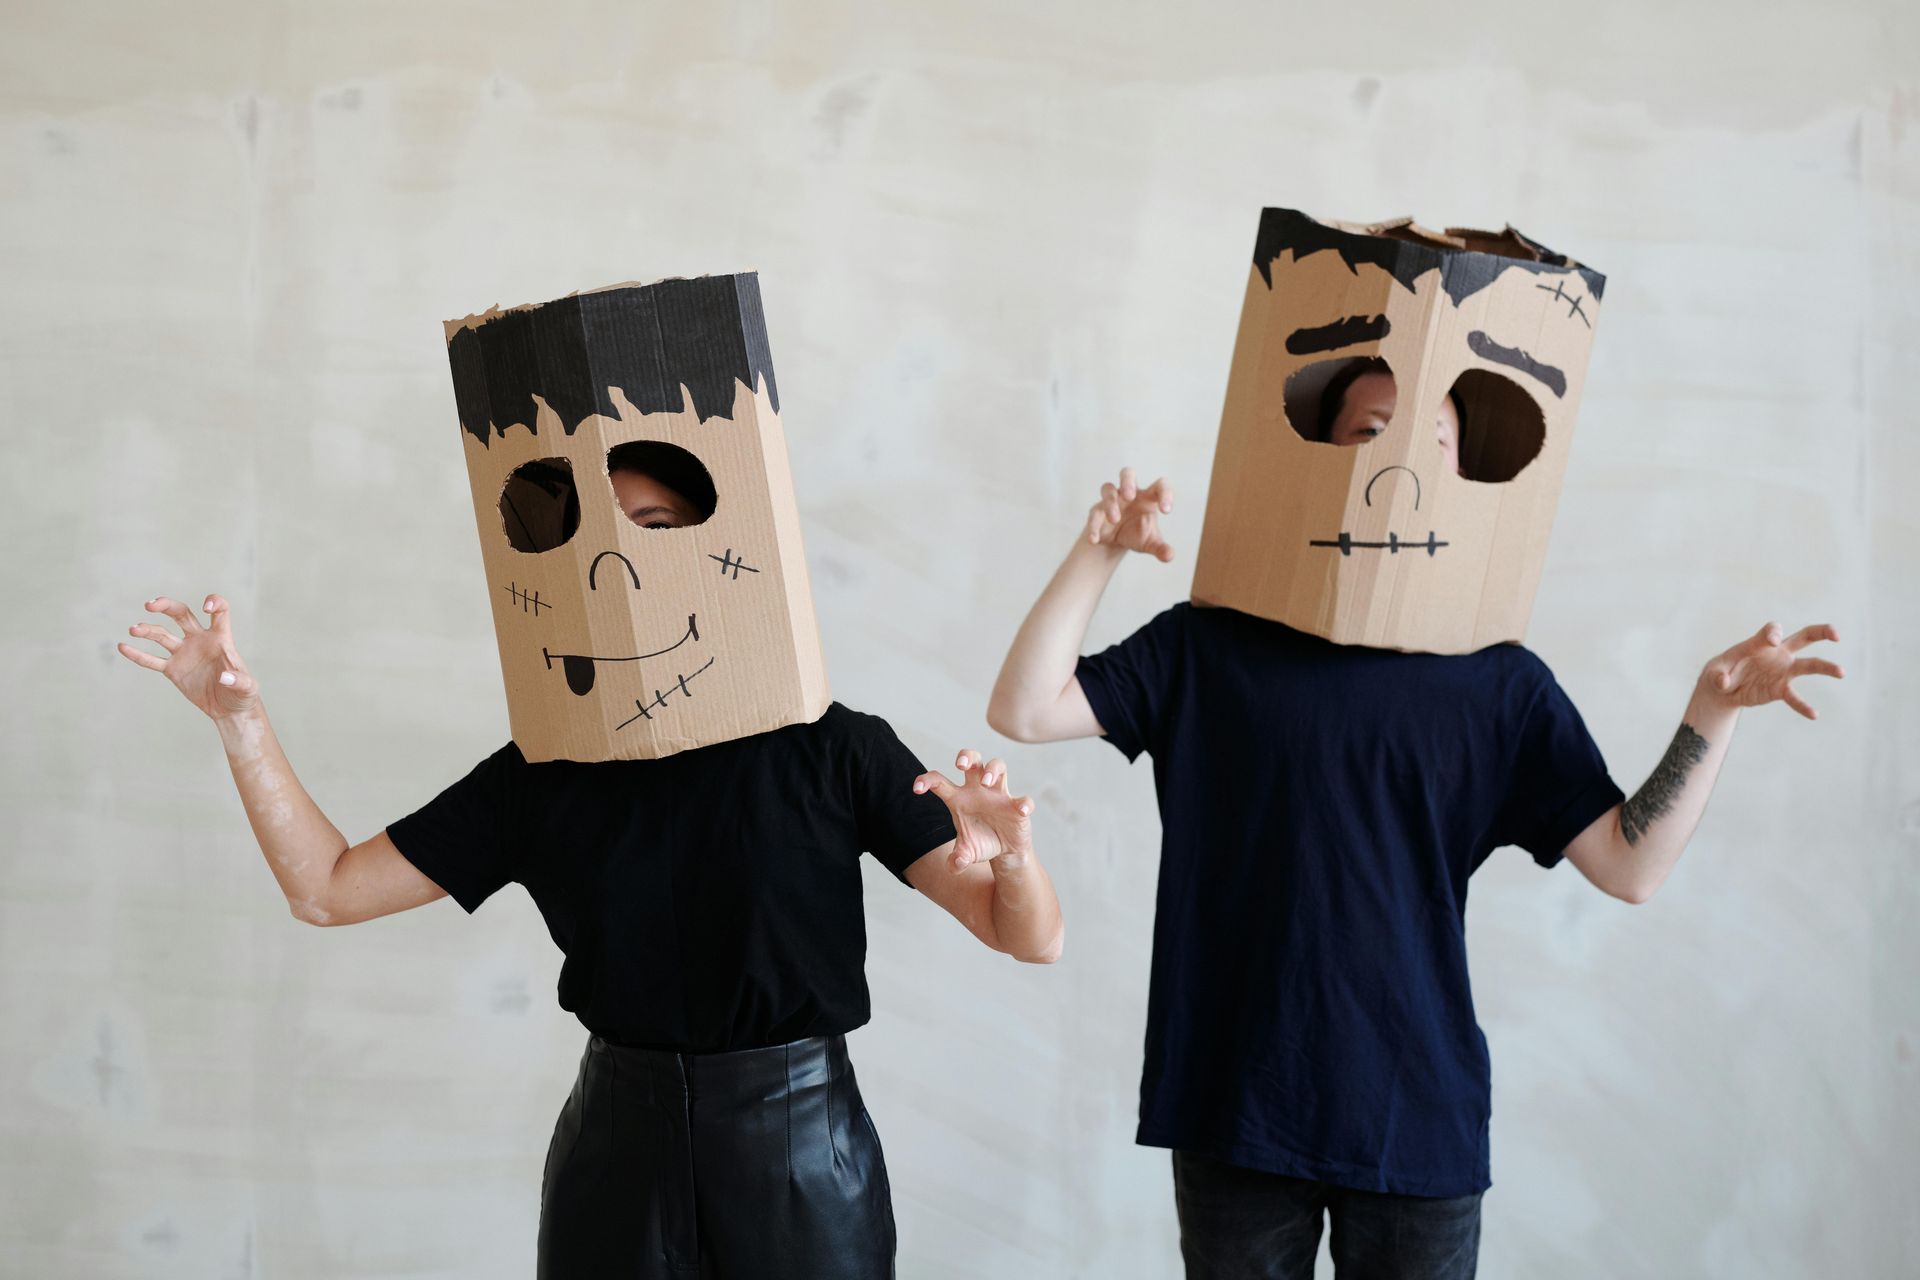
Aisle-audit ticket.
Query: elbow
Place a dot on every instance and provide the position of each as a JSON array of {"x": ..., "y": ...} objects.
[
  {"x": 1004, "y": 722},
  {"x": 1048, "y": 954},
  {"x": 309, "y": 911},
  {"x": 1637, "y": 893}
]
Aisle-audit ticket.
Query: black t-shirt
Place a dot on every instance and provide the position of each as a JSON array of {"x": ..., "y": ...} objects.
[
  {"x": 707, "y": 901},
  {"x": 1322, "y": 807}
]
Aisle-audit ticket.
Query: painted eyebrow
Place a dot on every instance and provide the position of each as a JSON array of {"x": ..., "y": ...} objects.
[
  {"x": 1514, "y": 358},
  {"x": 1341, "y": 333}
]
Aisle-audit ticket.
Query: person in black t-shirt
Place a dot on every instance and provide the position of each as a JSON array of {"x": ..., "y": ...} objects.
[
  {"x": 1311, "y": 1045},
  {"x": 709, "y": 908}
]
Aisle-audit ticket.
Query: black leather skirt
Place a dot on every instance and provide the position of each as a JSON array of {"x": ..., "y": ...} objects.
[{"x": 756, "y": 1165}]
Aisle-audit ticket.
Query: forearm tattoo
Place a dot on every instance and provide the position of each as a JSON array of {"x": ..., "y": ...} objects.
[{"x": 1654, "y": 800}]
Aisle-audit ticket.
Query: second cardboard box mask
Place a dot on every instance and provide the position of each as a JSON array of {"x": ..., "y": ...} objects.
[
  {"x": 1382, "y": 544},
  {"x": 618, "y": 641}
]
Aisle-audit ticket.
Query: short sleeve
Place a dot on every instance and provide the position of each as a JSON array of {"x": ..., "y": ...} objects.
[
  {"x": 1130, "y": 684},
  {"x": 467, "y": 839},
  {"x": 896, "y": 826},
  {"x": 1560, "y": 783}
]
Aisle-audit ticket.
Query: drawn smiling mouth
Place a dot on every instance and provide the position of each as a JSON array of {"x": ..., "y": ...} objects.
[
  {"x": 1393, "y": 546},
  {"x": 579, "y": 666}
]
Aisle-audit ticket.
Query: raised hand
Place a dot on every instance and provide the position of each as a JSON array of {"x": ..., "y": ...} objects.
[
  {"x": 989, "y": 822},
  {"x": 201, "y": 661},
  {"x": 1762, "y": 668},
  {"x": 1128, "y": 516}
]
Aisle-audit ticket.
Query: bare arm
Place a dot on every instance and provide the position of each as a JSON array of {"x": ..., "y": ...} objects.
[
  {"x": 988, "y": 876},
  {"x": 324, "y": 880},
  {"x": 1037, "y": 697},
  {"x": 1629, "y": 850}
]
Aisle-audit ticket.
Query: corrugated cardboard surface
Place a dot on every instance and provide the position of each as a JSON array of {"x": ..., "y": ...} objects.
[
  {"x": 698, "y": 634},
  {"x": 1460, "y": 558}
]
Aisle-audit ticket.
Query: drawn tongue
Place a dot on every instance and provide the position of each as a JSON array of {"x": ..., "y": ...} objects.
[{"x": 579, "y": 674}]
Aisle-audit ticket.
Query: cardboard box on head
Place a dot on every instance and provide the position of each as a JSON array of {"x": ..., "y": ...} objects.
[
  {"x": 1479, "y": 336},
  {"x": 619, "y": 641}
]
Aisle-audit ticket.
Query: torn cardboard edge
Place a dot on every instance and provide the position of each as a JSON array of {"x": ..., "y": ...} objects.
[
  {"x": 684, "y": 362},
  {"x": 1378, "y": 544}
]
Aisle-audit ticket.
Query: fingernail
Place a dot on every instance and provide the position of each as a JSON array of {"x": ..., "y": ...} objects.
[
  {"x": 918, "y": 787},
  {"x": 208, "y": 606},
  {"x": 226, "y": 677},
  {"x": 987, "y": 778}
]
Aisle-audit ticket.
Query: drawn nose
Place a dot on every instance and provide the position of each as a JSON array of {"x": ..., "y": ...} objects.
[
  {"x": 1384, "y": 471},
  {"x": 593, "y": 570}
]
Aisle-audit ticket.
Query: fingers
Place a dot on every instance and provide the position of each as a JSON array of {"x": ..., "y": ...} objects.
[
  {"x": 1815, "y": 667},
  {"x": 1808, "y": 635},
  {"x": 238, "y": 681},
  {"x": 219, "y": 616},
  {"x": 995, "y": 775},
  {"x": 932, "y": 781},
  {"x": 1111, "y": 504},
  {"x": 1161, "y": 492},
  {"x": 1096, "y": 523},
  {"x": 1129, "y": 487},
  {"x": 970, "y": 762},
  {"x": 141, "y": 658},
  {"x": 1799, "y": 704},
  {"x": 177, "y": 611},
  {"x": 156, "y": 633}
]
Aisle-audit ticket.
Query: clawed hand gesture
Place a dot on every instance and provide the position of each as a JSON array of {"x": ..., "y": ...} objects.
[
  {"x": 1762, "y": 668},
  {"x": 988, "y": 821},
  {"x": 201, "y": 661},
  {"x": 1128, "y": 516}
]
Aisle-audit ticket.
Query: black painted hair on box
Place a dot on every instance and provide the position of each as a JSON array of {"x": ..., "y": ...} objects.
[
  {"x": 707, "y": 334},
  {"x": 1406, "y": 253}
]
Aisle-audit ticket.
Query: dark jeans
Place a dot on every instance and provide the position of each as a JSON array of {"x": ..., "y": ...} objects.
[{"x": 1242, "y": 1224}]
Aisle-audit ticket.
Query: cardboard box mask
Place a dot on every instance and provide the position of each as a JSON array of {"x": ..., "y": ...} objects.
[
  {"x": 619, "y": 641},
  {"x": 1380, "y": 543}
]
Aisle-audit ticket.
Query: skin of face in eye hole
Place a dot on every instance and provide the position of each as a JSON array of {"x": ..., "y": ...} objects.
[
  {"x": 1367, "y": 408},
  {"x": 650, "y": 504}
]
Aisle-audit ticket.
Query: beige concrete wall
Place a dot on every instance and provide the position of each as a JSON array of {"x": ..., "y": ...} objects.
[{"x": 1002, "y": 250}]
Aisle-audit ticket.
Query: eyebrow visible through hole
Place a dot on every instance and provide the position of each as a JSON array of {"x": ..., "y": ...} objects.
[
  {"x": 1341, "y": 333},
  {"x": 1514, "y": 358}
]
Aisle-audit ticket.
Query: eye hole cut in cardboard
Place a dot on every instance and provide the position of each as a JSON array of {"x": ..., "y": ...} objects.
[
  {"x": 624, "y": 639},
  {"x": 659, "y": 485},
  {"x": 1497, "y": 426},
  {"x": 539, "y": 505},
  {"x": 1396, "y": 543}
]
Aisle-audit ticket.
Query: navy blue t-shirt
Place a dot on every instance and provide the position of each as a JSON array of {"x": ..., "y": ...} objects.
[{"x": 1322, "y": 808}]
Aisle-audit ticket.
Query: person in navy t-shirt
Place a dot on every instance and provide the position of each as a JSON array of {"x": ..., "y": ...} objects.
[{"x": 1311, "y": 1043}]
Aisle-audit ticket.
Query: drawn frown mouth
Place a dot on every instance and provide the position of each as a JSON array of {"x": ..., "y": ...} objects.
[
  {"x": 579, "y": 666},
  {"x": 1393, "y": 546}
]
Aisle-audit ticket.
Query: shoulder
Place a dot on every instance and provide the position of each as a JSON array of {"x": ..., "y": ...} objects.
[
  {"x": 1522, "y": 679},
  {"x": 841, "y": 724},
  {"x": 1168, "y": 627},
  {"x": 505, "y": 762},
  {"x": 1521, "y": 665}
]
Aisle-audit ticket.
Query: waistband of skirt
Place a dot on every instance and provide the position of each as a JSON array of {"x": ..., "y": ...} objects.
[{"x": 739, "y": 1071}]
